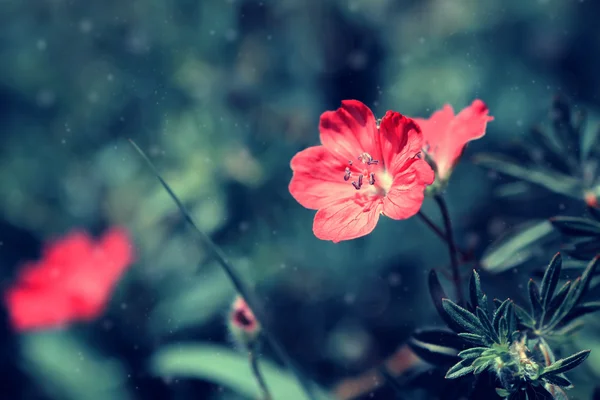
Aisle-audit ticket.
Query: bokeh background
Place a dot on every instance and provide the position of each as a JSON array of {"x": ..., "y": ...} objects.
[{"x": 221, "y": 94}]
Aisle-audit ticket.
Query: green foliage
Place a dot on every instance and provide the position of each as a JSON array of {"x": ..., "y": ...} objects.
[
  {"x": 227, "y": 368},
  {"x": 506, "y": 342},
  {"x": 516, "y": 246},
  {"x": 566, "y": 153},
  {"x": 581, "y": 236}
]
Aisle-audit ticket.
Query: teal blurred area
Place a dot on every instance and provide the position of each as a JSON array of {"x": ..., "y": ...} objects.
[{"x": 221, "y": 94}]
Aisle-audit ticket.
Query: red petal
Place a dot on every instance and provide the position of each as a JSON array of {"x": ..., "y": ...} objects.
[
  {"x": 350, "y": 131},
  {"x": 401, "y": 140},
  {"x": 406, "y": 196},
  {"x": 348, "y": 219},
  {"x": 37, "y": 309},
  {"x": 318, "y": 178},
  {"x": 446, "y": 135}
]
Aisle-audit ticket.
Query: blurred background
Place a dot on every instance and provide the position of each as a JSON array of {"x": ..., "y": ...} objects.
[{"x": 221, "y": 94}]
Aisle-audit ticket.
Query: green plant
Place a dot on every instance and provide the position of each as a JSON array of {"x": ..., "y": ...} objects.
[{"x": 503, "y": 346}]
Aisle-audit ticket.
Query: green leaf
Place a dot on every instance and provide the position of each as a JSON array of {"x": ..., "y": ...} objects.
[
  {"x": 476, "y": 339},
  {"x": 511, "y": 320},
  {"x": 559, "y": 380},
  {"x": 225, "y": 367},
  {"x": 582, "y": 309},
  {"x": 503, "y": 330},
  {"x": 550, "y": 280},
  {"x": 466, "y": 319},
  {"x": 515, "y": 246},
  {"x": 534, "y": 300},
  {"x": 567, "y": 305},
  {"x": 573, "y": 226},
  {"x": 558, "y": 300},
  {"x": 524, "y": 316},
  {"x": 437, "y": 293},
  {"x": 502, "y": 392},
  {"x": 473, "y": 352},
  {"x": 475, "y": 292},
  {"x": 550, "y": 179},
  {"x": 460, "y": 369},
  {"x": 566, "y": 364},
  {"x": 487, "y": 324},
  {"x": 436, "y": 347},
  {"x": 499, "y": 313},
  {"x": 586, "y": 278}
]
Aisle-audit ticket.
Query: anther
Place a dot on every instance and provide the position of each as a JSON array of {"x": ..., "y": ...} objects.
[
  {"x": 372, "y": 178},
  {"x": 349, "y": 162},
  {"x": 347, "y": 174},
  {"x": 369, "y": 162},
  {"x": 358, "y": 185}
]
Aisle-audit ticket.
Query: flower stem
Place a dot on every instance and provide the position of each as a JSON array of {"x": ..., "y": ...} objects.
[
  {"x": 253, "y": 358},
  {"x": 440, "y": 233},
  {"x": 456, "y": 278},
  {"x": 244, "y": 291}
]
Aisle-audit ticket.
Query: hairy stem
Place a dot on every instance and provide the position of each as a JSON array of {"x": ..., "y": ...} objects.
[
  {"x": 253, "y": 358},
  {"x": 456, "y": 278},
  {"x": 245, "y": 292}
]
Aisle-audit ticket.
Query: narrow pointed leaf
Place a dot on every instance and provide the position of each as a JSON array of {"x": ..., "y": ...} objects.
[
  {"x": 551, "y": 180},
  {"x": 460, "y": 369},
  {"x": 567, "y": 305},
  {"x": 557, "y": 301},
  {"x": 558, "y": 380},
  {"x": 581, "y": 310},
  {"x": 499, "y": 313},
  {"x": 566, "y": 364},
  {"x": 470, "y": 337},
  {"x": 574, "y": 226},
  {"x": 586, "y": 278},
  {"x": 524, "y": 317},
  {"x": 550, "y": 280},
  {"x": 511, "y": 320},
  {"x": 475, "y": 292},
  {"x": 473, "y": 352},
  {"x": 534, "y": 300},
  {"x": 466, "y": 319},
  {"x": 487, "y": 325},
  {"x": 437, "y": 294},
  {"x": 503, "y": 329}
]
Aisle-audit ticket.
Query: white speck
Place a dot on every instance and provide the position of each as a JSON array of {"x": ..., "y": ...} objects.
[
  {"x": 85, "y": 26},
  {"x": 212, "y": 32},
  {"x": 269, "y": 37},
  {"x": 63, "y": 141},
  {"x": 41, "y": 44},
  {"x": 231, "y": 35},
  {"x": 93, "y": 97},
  {"x": 45, "y": 98},
  {"x": 110, "y": 77}
]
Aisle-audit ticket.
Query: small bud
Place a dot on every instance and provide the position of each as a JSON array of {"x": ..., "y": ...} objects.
[{"x": 242, "y": 324}]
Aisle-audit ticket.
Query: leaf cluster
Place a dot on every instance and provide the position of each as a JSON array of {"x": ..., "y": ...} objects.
[
  {"x": 555, "y": 158},
  {"x": 581, "y": 236},
  {"x": 503, "y": 344}
]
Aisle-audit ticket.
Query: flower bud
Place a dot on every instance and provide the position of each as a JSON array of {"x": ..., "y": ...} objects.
[{"x": 242, "y": 324}]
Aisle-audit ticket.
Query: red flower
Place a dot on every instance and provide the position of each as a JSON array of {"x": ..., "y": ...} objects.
[
  {"x": 446, "y": 135},
  {"x": 72, "y": 282},
  {"x": 363, "y": 169}
]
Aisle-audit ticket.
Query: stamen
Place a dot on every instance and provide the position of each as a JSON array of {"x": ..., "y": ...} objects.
[
  {"x": 358, "y": 185},
  {"x": 350, "y": 162},
  {"x": 372, "y": 178},
  {"x": 370, "y": 162},
  {"x": 347, "y": 174}
]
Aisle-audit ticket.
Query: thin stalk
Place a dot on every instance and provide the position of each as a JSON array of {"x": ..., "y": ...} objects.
[
  {"x": 246, "y": 293},
  {"x": 440, "y": 233},
  {"x": 253, "y": 359},
  {"x": 456, "y": 278}
]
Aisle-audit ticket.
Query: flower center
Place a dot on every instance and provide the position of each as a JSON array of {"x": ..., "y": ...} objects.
[{"x": 365, "y": 173}]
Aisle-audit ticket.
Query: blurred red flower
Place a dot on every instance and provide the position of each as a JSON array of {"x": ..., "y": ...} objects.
[
  {"x": 446, "y": 135},
  {"x": 72, "y": 282},
  {"x": 362, "y": 169}
]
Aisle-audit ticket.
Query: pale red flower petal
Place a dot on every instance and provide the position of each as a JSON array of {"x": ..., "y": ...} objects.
[
  {"x": 350, "y": 131},
  {"x": 406, "y": 196},
  {"x": 318, "y": 178},
  {"x": 348, "y": 218},
  {"x": 446, "y": 135},
  {"x": 401, "y": 140},
  {"x": 399, "y": 135}
]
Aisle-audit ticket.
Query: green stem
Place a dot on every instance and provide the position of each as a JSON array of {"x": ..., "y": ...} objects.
[
  {"x": 253, "y": 358},
  {"x": 246, "y": 293},
  {"x": 440, "y": 233},
  {"x": 456, "y": 278}
]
